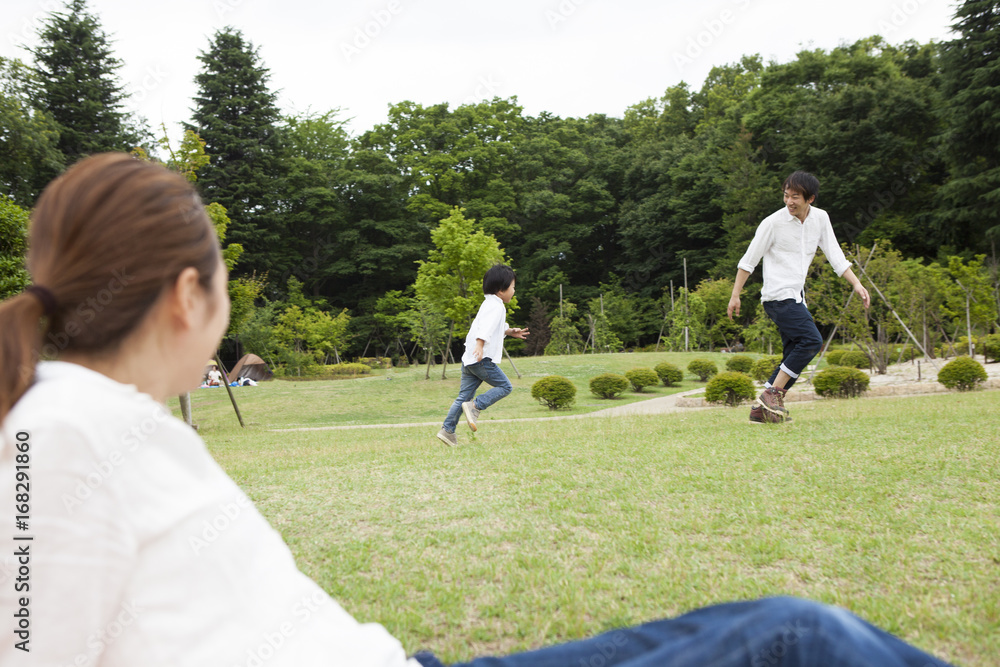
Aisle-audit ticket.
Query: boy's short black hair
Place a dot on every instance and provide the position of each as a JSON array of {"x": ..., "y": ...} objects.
[
  {"x": 498, "y": 278},
  {"x": 803, "y": 182}
]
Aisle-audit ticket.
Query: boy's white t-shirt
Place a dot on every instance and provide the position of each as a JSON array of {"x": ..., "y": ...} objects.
[
  {"x": 490, "y": 325},
  {"x": 145, "y": 552}
]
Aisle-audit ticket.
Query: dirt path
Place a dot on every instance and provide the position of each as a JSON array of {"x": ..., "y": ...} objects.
[{"x": 901, "y": 380}]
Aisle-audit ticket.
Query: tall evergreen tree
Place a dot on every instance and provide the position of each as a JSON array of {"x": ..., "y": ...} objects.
[
  {"x": 971, "y": 86},
  {"x": 236, "y": 115},
  {"x": 78, "y": 85},
  {"x": 28, "y": 136}
]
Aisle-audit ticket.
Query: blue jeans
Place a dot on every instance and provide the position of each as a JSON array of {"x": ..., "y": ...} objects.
[
  {"x": 473, "y": 376},
  {"x": 773, "y": 632},
  {"x": 800, "y": 338}
]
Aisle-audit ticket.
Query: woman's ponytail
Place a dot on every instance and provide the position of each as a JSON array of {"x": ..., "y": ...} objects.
[{"x": 20, "y": 347}]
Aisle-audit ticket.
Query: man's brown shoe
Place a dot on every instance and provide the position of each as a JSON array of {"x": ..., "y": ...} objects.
[
  {"x": 773, "y": 400},
  {"x": 759, "y": 415}
]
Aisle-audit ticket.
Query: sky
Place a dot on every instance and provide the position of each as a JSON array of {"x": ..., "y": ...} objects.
[{"x": 571, "y": 58}]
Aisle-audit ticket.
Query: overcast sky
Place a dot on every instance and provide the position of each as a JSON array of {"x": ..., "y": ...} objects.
[{"x": 567, "y": 57}]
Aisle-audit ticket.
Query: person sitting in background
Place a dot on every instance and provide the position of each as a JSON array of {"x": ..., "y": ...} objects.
[
  {"x": 161, "y": 544},
  {"x": 214, "y": 377}
]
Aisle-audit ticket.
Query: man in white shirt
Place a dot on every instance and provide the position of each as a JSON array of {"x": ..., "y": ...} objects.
[
  {"x": 483, "y": 351},
  {"x": 787, "y": 240}
]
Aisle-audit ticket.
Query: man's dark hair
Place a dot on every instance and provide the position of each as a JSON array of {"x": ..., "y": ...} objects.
[
  {"x": 803, "y": 182},
  {"x": 497, "y": 279}
]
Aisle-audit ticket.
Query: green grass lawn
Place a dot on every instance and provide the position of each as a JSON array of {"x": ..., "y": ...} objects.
[
  {"x": 404, "y": 396},
  {"x": 536, "y": 532}
]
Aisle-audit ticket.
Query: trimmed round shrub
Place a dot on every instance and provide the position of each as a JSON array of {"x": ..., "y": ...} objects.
[
  {"x": 703, "y": 368},
  {"x": 555, "y": 391},
  {"x": 731, "y": 388},
  {"x": 642, "y": 377},
  {"x": 669, "y": 374},
  {"x": 764, "y": 367},
  {"x": 739, "y": 363},
  {"x": 962, "y": 373},
  {"x": 348, "y": 369},
  {"x": 841, "y": 382},
  {"x": 855, "y": 359},
  {"x": 608, "y": 385},
  {"x": 833, "y": 357}
]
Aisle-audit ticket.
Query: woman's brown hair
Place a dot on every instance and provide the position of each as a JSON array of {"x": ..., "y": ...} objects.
[{"x": 105, "y": 239}]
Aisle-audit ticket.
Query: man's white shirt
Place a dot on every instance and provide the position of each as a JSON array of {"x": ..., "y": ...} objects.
[{"x": 787, "y": 247}]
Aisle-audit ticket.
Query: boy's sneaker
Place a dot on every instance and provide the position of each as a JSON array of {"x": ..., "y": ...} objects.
[
  {"x": 471, "y": 413},
  {"x": 773, "y": 400},
  {"x": 447, "y": 438},
  {"x": 759, "y": 415}
]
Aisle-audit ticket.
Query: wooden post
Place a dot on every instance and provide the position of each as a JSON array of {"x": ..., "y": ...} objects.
[
  {"x": 229, "y": 390},
  {"x": 968, "y": 318},
  {"x": 687, "y": 313},
  {"x": 185, "y": 400},
  {"x": 512, "y": 363}
]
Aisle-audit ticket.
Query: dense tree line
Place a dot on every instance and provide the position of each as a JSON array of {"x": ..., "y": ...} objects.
[{"x": 609, "y": 222}]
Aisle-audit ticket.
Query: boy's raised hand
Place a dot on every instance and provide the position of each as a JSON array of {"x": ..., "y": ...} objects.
[{"x": 518, "y": 333}]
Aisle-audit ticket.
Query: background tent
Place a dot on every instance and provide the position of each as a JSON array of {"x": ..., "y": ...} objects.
[{"x": 251, "y": 366}]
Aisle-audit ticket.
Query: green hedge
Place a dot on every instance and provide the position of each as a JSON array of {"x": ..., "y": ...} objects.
[
  {"x": 740, "y": 363},
  {"x": 764, "y": 367},
  {"x": 703, "y": 368},
  {"x": 833, "y": 357},
  {"x": 855, "y": 359},
  {"x": 731, "y": 388},
  {"x": 669, "y": 374},
  {"x": 841, "y": 382},
  {"x": 642, "y": 377},
  {"x": 962, "y": 373},
  {"x": 554, "y": 391},
  {"x": 608, "y": 385},
  {"x": 348, "y": 369}
]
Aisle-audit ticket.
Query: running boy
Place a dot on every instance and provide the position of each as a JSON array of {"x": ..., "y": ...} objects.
[
  {"x": 787, "y": 241},
  {"x": 483, "y": 351}
]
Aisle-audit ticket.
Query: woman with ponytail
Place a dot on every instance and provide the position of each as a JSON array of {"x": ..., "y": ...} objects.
[
  {"x": 131, "y": 546},
  {"x": 143, "y": 551}
]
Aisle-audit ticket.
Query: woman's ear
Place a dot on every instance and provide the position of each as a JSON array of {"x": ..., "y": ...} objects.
[{"x": 184, "y": 297}]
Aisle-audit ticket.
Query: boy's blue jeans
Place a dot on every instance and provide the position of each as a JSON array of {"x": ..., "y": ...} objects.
[
  {"x": 800, "y": 338},
  {"x": 773, "y": 632},
  {"x": 473, "y": 376}
]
